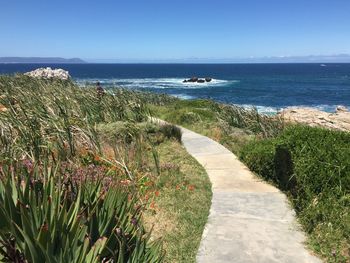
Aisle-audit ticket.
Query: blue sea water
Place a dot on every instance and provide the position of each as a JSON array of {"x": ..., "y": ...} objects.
[{"x": 269, "y": 87}]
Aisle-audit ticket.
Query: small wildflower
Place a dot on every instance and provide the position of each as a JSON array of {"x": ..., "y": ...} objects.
[
  {"x": 28, "y": 164},
  {"x": 125, "y": 182},
  {"x": 191, "y": 187},
  {"x": 133, "y": 221}
]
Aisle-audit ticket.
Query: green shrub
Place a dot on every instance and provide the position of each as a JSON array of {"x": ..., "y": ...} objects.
[
  {"x": 259, "y": 157},
  {"x": 313, "y": 166},
  {"x": 189, "y": 117},
  {"x": 123, "y": 131},
  {"x": 171, "y": 131}
]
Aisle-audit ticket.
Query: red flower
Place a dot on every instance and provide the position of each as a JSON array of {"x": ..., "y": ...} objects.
[{"x": 191, "y": 187}]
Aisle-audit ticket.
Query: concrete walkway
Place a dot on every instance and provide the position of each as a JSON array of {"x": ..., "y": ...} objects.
[{"x": 249, "y": 221}]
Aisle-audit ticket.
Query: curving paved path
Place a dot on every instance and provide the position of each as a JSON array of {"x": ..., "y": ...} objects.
[{"x": 249, "y": 221}]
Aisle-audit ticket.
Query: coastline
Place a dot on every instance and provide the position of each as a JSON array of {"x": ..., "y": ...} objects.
[{"x": 269, "y": 87}]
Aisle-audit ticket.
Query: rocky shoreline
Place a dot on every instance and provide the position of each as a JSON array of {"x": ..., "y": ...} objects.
[{"x": 339, "y": 120}]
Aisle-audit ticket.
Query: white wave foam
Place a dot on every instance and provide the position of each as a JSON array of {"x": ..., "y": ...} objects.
[
  {"x": 160, "y": 83},
  {"x": 268, "y": 110},
  {"x": 184, "y": 96}
]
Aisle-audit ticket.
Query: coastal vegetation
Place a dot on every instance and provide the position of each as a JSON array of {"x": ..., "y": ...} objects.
[
  {"x": 85, "y": 177},
  {"x": 121, "y": 188},
  {"x": 311, "y": 165}
]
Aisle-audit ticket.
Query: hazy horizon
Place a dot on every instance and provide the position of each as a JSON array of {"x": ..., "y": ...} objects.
[{"x": 340, "y": 58}]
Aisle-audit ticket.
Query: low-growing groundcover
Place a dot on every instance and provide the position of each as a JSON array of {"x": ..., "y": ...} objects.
[
  {"x": 313, "y": 166},
  {"x": 79, "y": 169}
]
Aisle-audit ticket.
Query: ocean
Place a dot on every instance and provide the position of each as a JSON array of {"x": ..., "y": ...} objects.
[{"x": 268, "y": 87}]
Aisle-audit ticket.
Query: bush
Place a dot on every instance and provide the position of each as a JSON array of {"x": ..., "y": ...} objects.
[
  {"x": 313, "y": 166},
  {"x": 259, "y": 157},
  {"x": 189, "y": 117},
  {"x": 171, "y": 131}
]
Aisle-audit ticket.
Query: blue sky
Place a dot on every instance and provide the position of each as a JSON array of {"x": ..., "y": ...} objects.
[{"x": 140, "y": 30}]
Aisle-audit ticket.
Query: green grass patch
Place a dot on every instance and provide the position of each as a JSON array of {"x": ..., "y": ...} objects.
[{"x": 181, "y": 204}]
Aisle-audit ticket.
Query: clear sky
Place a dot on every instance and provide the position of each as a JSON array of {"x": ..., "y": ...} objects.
[{"x": 173, "y": 29}]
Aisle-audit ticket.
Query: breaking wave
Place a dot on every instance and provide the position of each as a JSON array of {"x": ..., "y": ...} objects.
[{"x": 155, "y": 83}]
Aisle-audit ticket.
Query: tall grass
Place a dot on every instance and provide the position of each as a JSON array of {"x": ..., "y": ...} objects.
[
  {"x": 52, "y": 152},
  {"x": 250, "y": 119},
  {"x": 192, "y": 112}
]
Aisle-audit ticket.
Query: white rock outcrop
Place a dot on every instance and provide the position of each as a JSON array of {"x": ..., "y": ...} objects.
[
  {"x": 339, "y": 120},
  {"x": 49, "y": 73}
]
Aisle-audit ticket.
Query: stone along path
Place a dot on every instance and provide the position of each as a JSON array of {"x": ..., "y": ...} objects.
[{"x": 249, "y": 221}]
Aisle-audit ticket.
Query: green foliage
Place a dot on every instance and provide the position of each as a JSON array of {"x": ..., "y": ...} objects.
[
  {"x": 259, "y": 157},
  {"x": 250, "y": 119},
  {"x": 44, "y": 219},
  {"x": 122, "y": 131},
  {"x": 190, "y": 112},
  {"x": 171, "y": 131},
  {"x": 51, "y": 214},
  {"x": 317, "y": 179},
  {"x": 189, "y": 117},
  {"x": 183, "y": 203},
  {"x": 43, "y": 116}
]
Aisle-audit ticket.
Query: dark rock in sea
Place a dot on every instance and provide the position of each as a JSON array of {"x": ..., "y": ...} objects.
[{"x": 198, "y": 80}]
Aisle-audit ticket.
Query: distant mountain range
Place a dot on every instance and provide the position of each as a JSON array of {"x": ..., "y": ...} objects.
[{"x": 53, "y": 60}]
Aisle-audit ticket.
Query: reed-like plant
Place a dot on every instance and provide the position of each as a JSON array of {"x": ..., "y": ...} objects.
[
  {"x": 45, "y": 218},
  {"x": 52, "y": 216}
]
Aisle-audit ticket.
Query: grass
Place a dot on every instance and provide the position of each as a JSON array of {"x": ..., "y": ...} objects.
[
  {"x": 181, "y": 208},
  {"x": 310, "y": 164},
  {"x": 65, "y": 143},
  {"x": 231, "y": 126}
]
